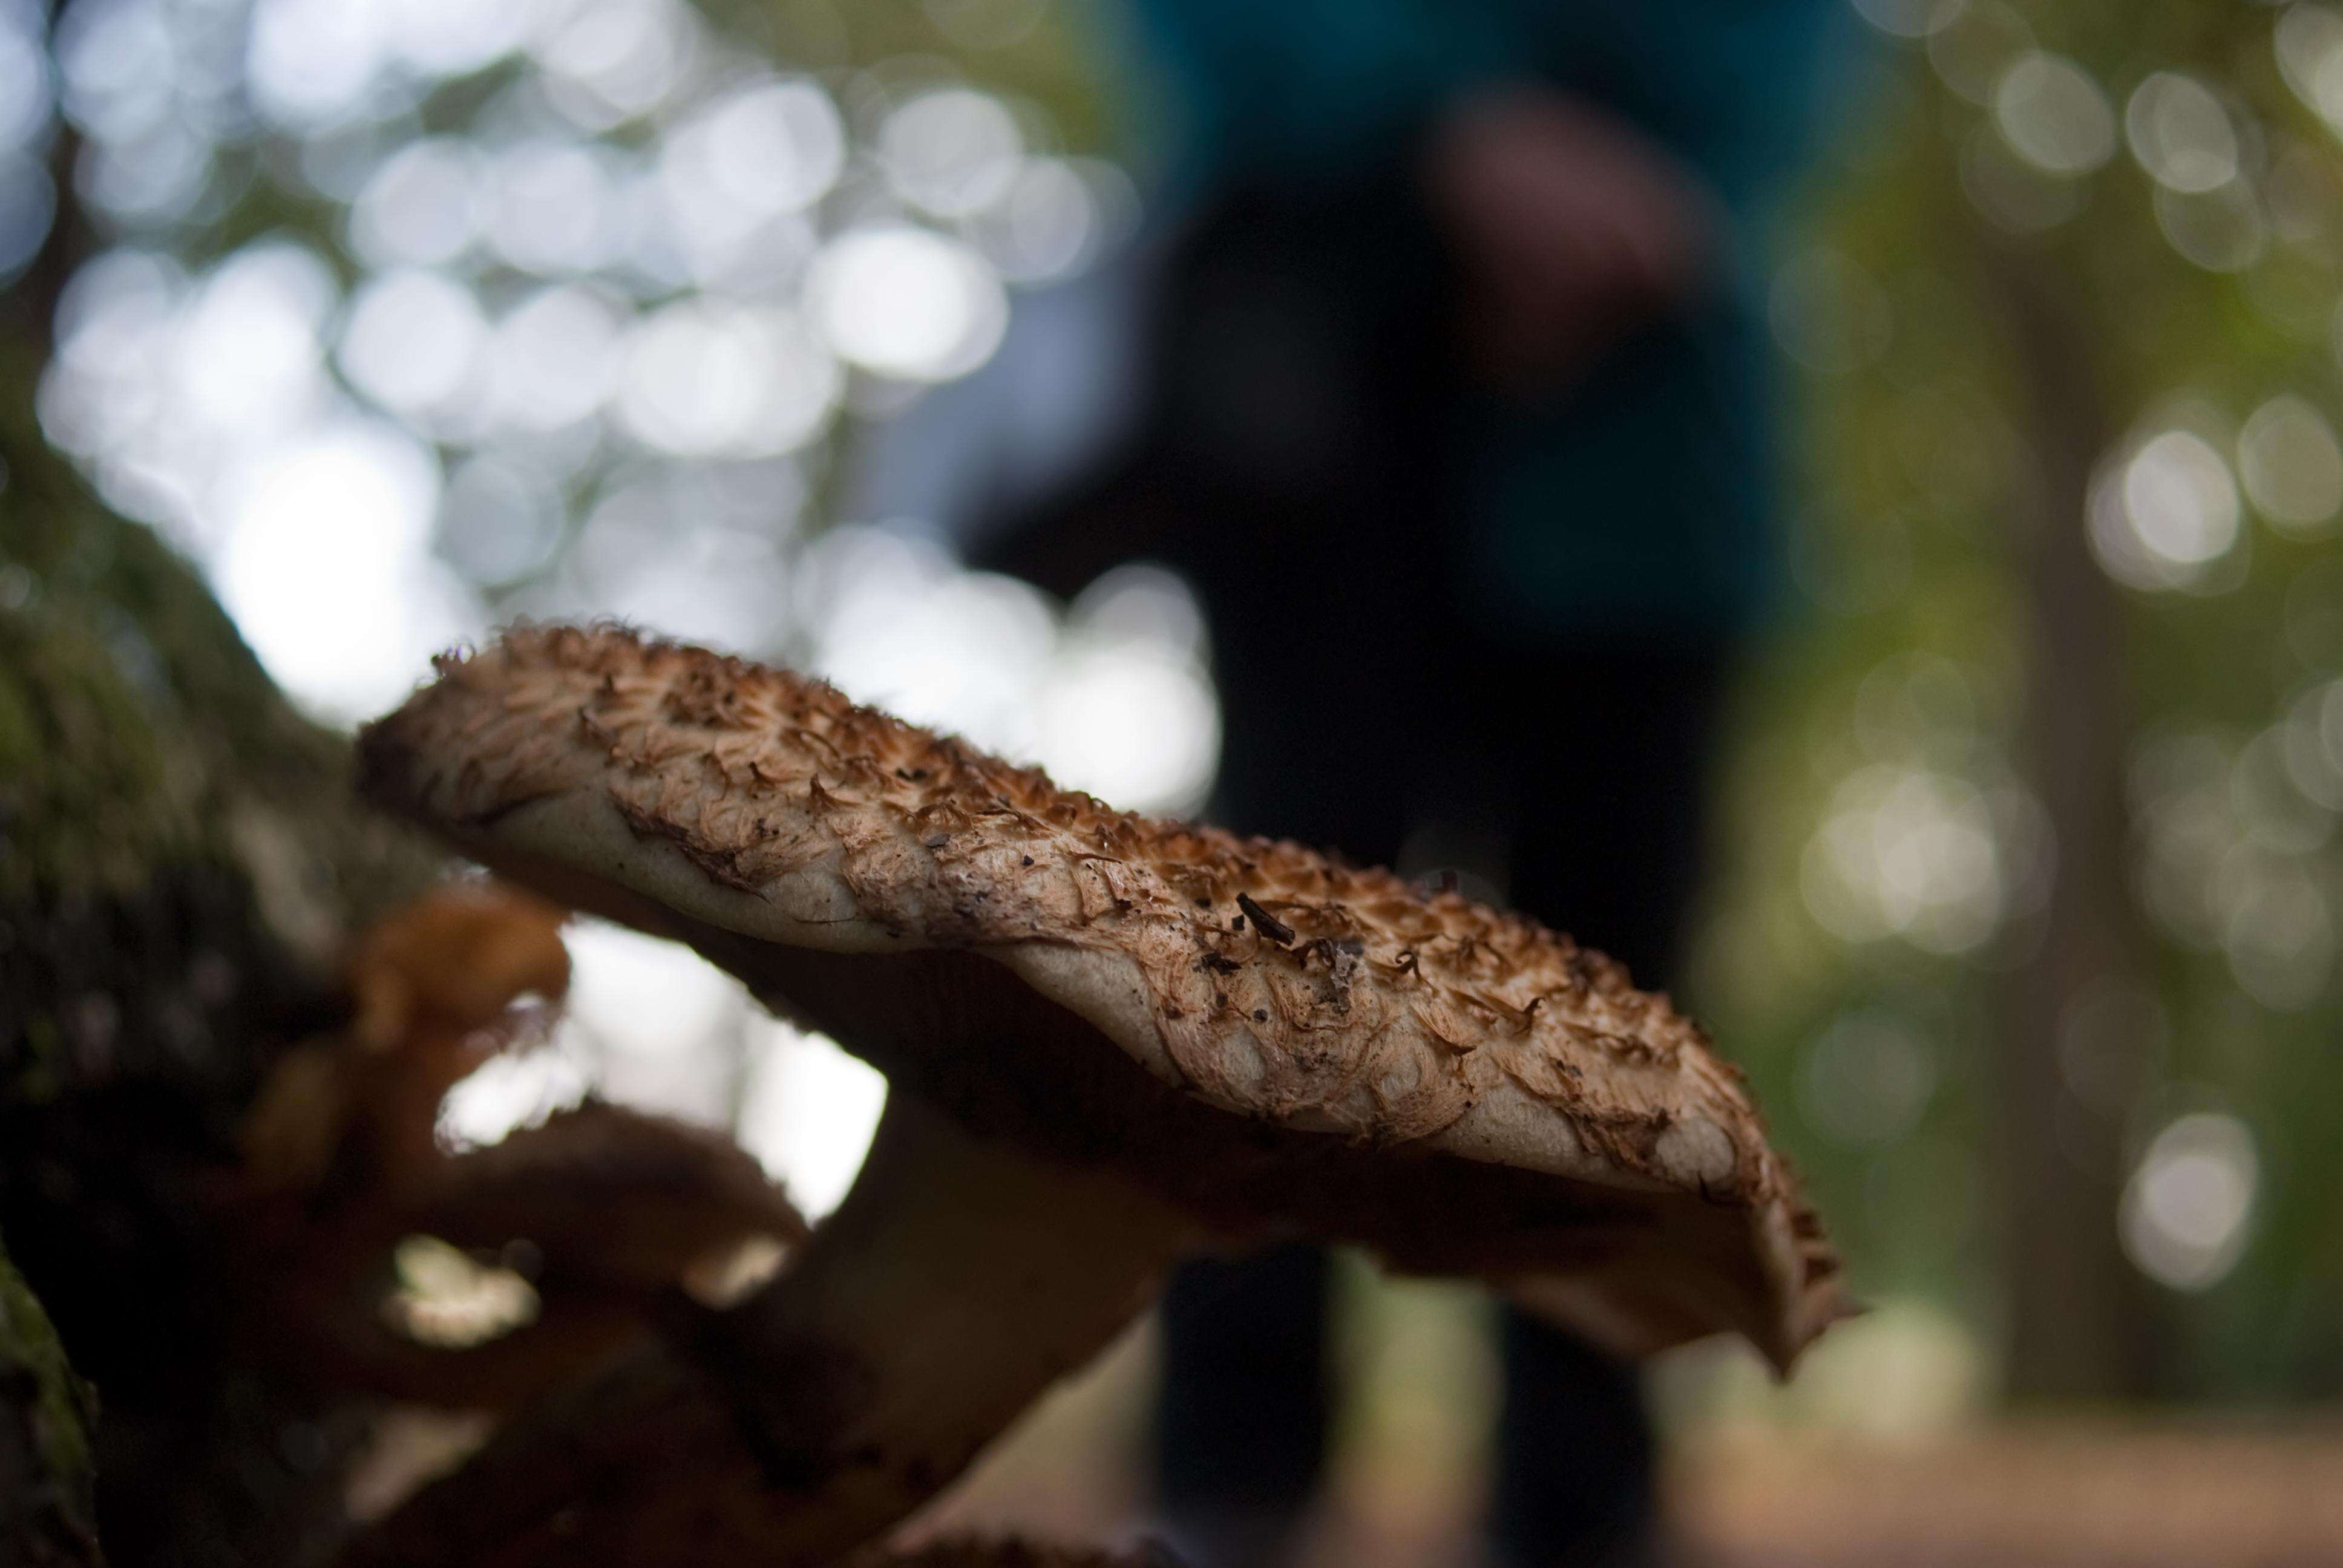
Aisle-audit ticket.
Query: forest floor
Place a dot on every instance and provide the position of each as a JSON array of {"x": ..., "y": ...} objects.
[
  {"x": 2057, "y": 1492},
  {"x": 2064, "y": 1493},
  {"x": 2060, "y": 1492},
  {"x": 2064, "y": 1496}
]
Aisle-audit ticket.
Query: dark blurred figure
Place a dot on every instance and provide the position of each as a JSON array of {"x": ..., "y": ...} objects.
[{"x": 1452, "y": 408}]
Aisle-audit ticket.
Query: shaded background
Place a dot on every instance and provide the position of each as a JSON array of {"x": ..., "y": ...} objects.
[{"x": 403, "y": 319}]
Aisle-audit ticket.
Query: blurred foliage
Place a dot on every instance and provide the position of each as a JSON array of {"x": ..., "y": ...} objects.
[
  {"x": 520, "y": 284},
  {"x": 1035, "y": 50},
  {"x": 1030, "y": 50},
  {"x": 1918, "y": 444}
]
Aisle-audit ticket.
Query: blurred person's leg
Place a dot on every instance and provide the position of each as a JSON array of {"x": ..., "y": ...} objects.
[
  {"x": 1291, "y": 465},
  {"x": 1575, "y": 1456},
  {"x": 1247, "y": 1396},
  {"x": 1241, "y": 1421},
  {"x": 1610, "y": 829}
]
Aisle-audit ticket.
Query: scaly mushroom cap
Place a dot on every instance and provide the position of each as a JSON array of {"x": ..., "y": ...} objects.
[{"x": 1303, "y": 1046}]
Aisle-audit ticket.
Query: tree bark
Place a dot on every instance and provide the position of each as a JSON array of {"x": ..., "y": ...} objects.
[
  {"x": 180, "y": 864},
  {"x": 2082, "y": 1321}
]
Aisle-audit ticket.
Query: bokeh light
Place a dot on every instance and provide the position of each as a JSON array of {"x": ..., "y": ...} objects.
[
  {"x": 907, "y": 302},
  {"x": 2291, "y": 467},
  {"x": 1866, "y": 1080},
  {"x": 1114, "y": 699},
  {"x": 328, "y": 570},
  {"x": 1127, "y": 711},
  {"x": 635, "y": 238},
  {"x": 2164, "y": 512},
  {"x": 2180, "y": 133},
  {"x": 952, "y": 152},
  {"x": 2186, "y": 1209},
  {"x": 2309, "y": 43},
  {"x": 1913, "y": 853},
  {"x": 420, "y": 207},
  {"x": 733, "y": 175},
  {"x": 2054, "y": 114},
  {"x": 552, "y": 205},
  {"x": 705, "y": 379},
  {"x": 411, "y": 341},
  {"x": 2222, "y": 230},
  {"x": 553, "y": 360}
]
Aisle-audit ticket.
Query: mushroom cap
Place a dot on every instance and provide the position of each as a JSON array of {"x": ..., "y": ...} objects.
[{"x": 1284, "y": 1043}]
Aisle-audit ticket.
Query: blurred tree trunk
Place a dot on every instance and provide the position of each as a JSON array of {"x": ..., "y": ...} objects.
[
  {"x": 2082, "y": 1321},
  {"x": 180, "y": 862}
]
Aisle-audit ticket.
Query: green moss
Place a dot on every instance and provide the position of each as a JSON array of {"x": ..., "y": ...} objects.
[
  {"x": 48, "y": 1515},
  {"x": 182, "y": 861},
  {"x": 136, "y": 727},
  {"x": 181, "y": 857}
]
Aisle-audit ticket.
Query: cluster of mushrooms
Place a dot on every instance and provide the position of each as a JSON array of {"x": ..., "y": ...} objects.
[{"x": 1111, "y": 1042}]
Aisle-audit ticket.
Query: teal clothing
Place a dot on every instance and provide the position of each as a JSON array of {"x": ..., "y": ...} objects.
[
  {"x": 1637, "y": 502},
  {"x": 1637, "y": 506}
]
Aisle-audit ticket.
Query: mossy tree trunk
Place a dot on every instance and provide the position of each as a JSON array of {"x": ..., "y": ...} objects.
[
  {"x": 48, "y": 1516},
  {"x": 180, "y": 863}
]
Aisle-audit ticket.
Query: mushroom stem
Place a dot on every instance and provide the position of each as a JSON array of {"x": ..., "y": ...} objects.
[{"x": 959, "y": 1278}]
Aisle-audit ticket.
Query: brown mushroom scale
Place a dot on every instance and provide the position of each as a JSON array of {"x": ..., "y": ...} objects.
[{"x": 1141, "y": 1037}]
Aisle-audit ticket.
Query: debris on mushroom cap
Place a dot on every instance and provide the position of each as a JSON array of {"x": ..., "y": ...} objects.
[{"x": 717, "y": 799}]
